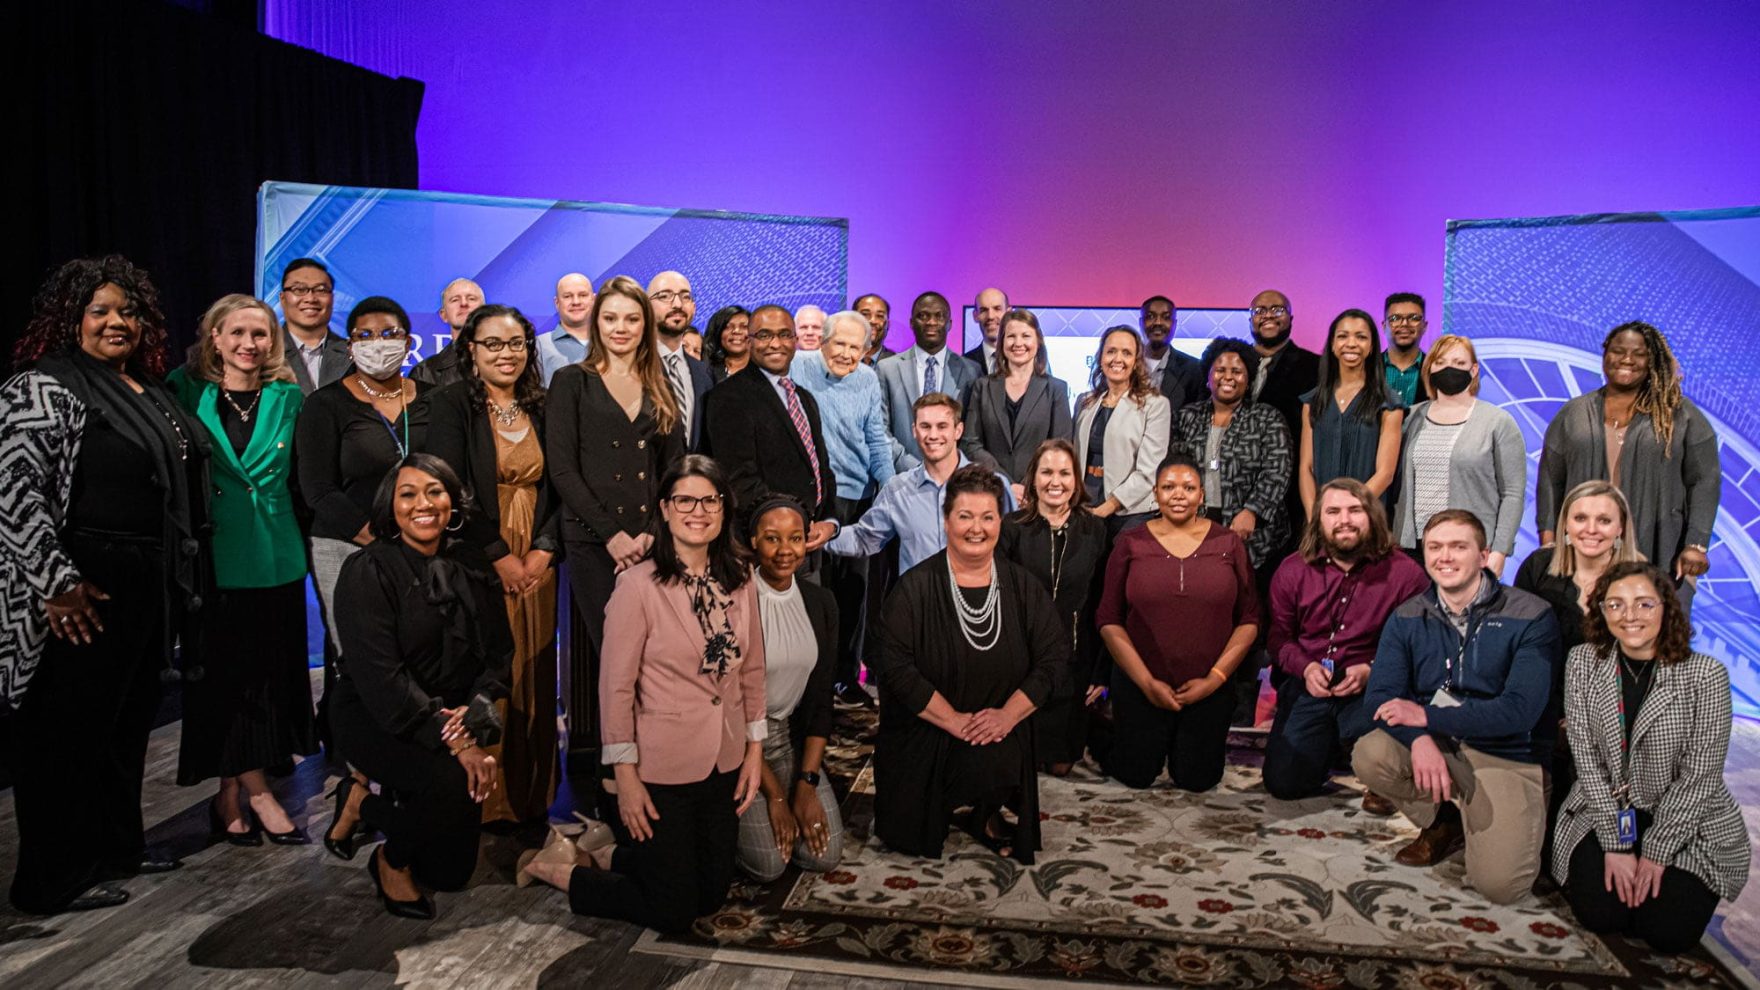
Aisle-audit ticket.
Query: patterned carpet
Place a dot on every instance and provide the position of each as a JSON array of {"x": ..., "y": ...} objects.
[{"x": 1230, "y": 888}]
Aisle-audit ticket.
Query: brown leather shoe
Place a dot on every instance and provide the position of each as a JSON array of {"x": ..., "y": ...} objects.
[
  {"x": 1377, "y": 805},
  {"x": 1433, "y": 845}
]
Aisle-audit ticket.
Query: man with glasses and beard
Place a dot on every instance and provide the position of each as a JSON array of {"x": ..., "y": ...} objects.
[
  {"x": 1328, "y": 604},
  {"x": 674, "y": 308}
]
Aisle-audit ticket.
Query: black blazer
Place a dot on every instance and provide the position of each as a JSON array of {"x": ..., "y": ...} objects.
[
  {"x": 746, "y": 428},
  {"x": 701, "y": 382},
  {"x": 460, "y": 433},
  {"x": 812, "y": 717},
  {"x": 1295, "y": 372},
  {"x": 605, "y": 466},
  {"x": 989, "y": 437},
  {"x": 1182, "y": 380},
  {"x": 976, "y": 356}
]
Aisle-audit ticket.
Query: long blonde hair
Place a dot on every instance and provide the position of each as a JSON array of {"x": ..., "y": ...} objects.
[
  {"x": 1625, "y": 549},
  {"x": 204, "y": 357},
  {"x": 655, "y": 388}
]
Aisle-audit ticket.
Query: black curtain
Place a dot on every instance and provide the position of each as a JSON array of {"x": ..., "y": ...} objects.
[{"x": 147, "y": 129}]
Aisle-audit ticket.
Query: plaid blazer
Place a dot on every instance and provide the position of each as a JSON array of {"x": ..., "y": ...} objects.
[{"x": 1678, "y": 747}]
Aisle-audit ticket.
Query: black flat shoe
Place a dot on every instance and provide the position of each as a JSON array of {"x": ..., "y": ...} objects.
[
  {"x": 420, "y": 909},
  {"x": 102, "y": 896},
  {"x": 217, "y": 829},
  {"x": 344, "y": 847},
  {"x": 295, "y": 836}
]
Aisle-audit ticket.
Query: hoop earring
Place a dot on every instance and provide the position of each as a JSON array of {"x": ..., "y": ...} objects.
[{"x": 456, "y": 524}]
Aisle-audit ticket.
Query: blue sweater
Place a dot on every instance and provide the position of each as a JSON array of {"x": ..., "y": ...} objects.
[{"x": 1503, "y": 679}]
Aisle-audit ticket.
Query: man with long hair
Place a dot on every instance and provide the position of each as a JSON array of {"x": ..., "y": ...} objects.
[{"x": 1329, "y": 601}]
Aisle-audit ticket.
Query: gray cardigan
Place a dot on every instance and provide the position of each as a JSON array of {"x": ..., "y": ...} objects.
[{"x": 1487, "y": 474}]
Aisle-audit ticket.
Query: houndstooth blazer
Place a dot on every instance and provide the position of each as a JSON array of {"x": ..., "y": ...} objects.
[{"x": 1678, "y": 748}]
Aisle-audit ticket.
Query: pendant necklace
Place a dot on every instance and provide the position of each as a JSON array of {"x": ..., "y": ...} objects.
[
  {"x": 244, "y": 415},
  {"x": 505, "y": 416},
  {"x": 983, "y": 622}
]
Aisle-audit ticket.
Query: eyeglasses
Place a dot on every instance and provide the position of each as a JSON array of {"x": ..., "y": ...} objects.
[
  {"x": 494, "y": 345},
  {"x": 1406, "y": 320},
  {"x": 1270, "y": 311},
  {"x": 766, "y": 336},
  {"x": 389, "y": 333},
  {"x": 299, "y": 291},
  {"x": 1645, "y": 607},
  {"x": 689, "y": 503},
  {"x": 669, "y": 296}
]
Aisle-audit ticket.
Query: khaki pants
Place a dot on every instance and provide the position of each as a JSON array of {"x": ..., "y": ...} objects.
[{"x": 1502, "y": 804}]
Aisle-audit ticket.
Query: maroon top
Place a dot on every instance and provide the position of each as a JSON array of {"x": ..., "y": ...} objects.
[
  {"x": 1318, "y": 610},
  {"x": 1179, "y": 612}
]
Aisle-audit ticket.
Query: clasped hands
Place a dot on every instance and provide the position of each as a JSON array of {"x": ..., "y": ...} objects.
[
  {"x": 982, "y": 727},
  {"x": 1164, "y": 695},
  {"x": 1318, "y": 681},
  {"x": 627, "y": 551},
  {"x": 520, "y": 574},
  {"x": 479, "y": 767}
]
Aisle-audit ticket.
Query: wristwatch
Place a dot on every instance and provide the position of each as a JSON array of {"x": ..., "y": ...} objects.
[{"x": 809, "y": 777}]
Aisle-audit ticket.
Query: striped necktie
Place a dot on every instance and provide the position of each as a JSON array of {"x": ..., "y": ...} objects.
[
  {"x": 675, "y": 375},
  {"x": 798, "y": 417}
]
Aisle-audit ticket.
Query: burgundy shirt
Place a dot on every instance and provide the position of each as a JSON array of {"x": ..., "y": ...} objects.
[
  {"x": 1179, "y": 613},
  {"x": 1318, "y": 610}
]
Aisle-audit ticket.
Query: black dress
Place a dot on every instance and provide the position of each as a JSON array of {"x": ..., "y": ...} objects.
[
  {"x": 921, "y": 773},
  {"x": 1070, "y": 565}
]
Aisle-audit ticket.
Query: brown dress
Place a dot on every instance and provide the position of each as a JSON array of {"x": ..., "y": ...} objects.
[{"x": 527, "y": 753}]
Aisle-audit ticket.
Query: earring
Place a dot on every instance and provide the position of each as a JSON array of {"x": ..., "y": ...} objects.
[
  {"x": 456, "y": 524},
  {"x": 1566, "y": 540}
]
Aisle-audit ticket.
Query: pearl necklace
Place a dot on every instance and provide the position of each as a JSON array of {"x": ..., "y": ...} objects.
[{"x": 983, "y": 622}]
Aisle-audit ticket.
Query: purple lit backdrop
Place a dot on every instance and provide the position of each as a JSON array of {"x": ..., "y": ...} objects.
[{"x": 1085, "y": 153}]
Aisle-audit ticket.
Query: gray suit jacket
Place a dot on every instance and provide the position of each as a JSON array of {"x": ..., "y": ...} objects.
[
  {"x": 1044, "y": 414},
  {"x": 332, "y": 364},
  {"x": 901, "y": 384}
]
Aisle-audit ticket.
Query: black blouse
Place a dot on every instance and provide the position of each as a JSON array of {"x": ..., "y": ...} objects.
[
  {"x": 112, "y": 480},
  {"x": 343, "y": 449}
]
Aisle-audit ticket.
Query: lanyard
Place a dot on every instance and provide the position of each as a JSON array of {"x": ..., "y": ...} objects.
[
  {"x": 401, "y": 442},
  {"x": 1457, "y": 666}
]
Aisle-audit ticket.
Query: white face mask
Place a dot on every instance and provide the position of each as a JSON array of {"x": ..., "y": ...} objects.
[{"x": 378, "y": 358}]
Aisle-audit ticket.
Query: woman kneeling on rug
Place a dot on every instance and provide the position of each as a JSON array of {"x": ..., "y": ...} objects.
[
  {"x": 683, "y": 721},
  {"x": 798, "y": 820},
  {"x": 425, "y": 655},
  {"x": 1649, "y": 838},
  {"x": 969, "y": 646}
]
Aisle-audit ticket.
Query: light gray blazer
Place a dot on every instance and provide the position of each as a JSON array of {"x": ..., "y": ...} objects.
[
  {"x": 1136, "y": 442},
  {"x": 901, "y": 384},
  {"x": 1487, "y": 474}
]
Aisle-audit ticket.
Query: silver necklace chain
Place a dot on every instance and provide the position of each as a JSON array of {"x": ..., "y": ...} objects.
[
  {"x": 983, "y": 622},
  {"x": 372, "y": 392},
  {"x": 506, "y": 416},
  {"x": 244, "y": 415}
]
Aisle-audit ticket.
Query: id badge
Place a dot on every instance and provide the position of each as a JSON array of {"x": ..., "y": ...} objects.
[
  {"x": 1442, "y": 699},
  {"x": 1327, "y": 666},
  {"x": 1626, "y": 824}
]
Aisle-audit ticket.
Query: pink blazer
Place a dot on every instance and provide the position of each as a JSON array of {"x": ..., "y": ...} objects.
[{"x": 651, "y": 691}]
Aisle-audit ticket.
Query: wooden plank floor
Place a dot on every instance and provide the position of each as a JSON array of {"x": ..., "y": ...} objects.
[{"x": 297, "y": 918}]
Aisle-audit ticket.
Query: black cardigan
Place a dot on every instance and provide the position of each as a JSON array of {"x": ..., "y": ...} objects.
[
  {"x": 459, "y": 433},
  {"x": 342, "y": 450},
  {"x": 813, "y": 716}
]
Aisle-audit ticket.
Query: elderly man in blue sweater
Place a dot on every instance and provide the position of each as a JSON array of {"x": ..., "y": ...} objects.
[{"x": 1461, "y": 695}]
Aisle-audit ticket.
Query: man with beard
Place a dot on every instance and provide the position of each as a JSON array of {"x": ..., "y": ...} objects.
[
  {"x": 1286, "y": 373},
  {"x": 674, "y": 307},
  {"x": 458, "y": 301},
  {"x": 927, "y": 368},
  {"x": 567, "y": 344},
  {"x": 988, "y": 309},
  {"x": 878, "y": 312},
  {"x": 1328, "y": 604},
  {"x": 1403, "y": 360},
  {"x": 1177, "y": 374},
  {"x": 308, "y": 295}
]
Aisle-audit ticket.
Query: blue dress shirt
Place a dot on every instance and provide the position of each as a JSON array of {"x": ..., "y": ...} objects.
[{"x": 908, "y": 509}]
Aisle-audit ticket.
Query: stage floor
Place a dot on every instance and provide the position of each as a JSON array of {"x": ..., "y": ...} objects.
[{"x": 296, "y": 917}]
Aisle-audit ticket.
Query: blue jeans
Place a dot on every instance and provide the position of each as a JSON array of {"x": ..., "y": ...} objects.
[{"x": 1309, "y": 737}]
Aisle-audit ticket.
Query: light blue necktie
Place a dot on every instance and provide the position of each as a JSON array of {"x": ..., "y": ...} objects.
[{"x": 929, "y": 376}]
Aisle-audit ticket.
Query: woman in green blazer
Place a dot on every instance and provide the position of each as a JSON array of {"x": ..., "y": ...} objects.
[{"x": 252, "y": 706}]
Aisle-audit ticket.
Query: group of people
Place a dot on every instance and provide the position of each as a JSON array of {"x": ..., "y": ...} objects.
[{"x": 1027, "y": 581}]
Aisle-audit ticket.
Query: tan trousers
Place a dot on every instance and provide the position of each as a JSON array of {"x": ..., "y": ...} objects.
[{"x": 1502, "y": 804}]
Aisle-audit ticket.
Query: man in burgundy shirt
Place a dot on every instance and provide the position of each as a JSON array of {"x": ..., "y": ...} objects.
[{"x": 1329, "y": 601}]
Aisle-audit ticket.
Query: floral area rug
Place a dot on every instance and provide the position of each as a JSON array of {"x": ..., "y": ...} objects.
[{"x": 1230, "y": 888}]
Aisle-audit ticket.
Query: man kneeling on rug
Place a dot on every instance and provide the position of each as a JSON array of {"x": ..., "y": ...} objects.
[{"x": 1462, "y": 688}]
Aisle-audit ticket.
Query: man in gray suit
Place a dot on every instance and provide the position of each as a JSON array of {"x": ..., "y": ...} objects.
[
  {"x": 927, "y": 367},
  {"x": 317, "y": 356}
]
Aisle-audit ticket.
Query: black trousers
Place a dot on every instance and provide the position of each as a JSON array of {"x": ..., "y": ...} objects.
[
  {"x": 424, "y": 807},
  {"x": 1191, "y": 743},
  {"x": 1310, "y": 737},
  {"x": 1671, "y": 922},
  {"x": 680, "y": 874},
  {"x": 847, "y": 580},
  {"x": 592, "y": 575},
  {"x": 79, "y": 738}
]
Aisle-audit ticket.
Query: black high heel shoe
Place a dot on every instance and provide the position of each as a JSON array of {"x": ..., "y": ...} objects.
[
  {"x": 343, "y": 848},
  {"x": 217, "y": 828},
  {"x": 295, "y": 836},
  {"x": 420, "y": 909}
]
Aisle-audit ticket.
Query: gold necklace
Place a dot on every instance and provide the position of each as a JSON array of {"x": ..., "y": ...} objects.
[{"x": 361, "y": 380}]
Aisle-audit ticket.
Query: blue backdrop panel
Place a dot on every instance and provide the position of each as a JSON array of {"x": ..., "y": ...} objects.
[
  {"x": 1537, "y": 296},
  {"x": 407, "y": 245}
]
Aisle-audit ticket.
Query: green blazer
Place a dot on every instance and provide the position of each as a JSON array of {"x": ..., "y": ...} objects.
[{"x": 256, "y": 542}]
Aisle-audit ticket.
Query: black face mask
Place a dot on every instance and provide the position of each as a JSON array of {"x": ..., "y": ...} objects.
[{"x": 1451, "y": 381}]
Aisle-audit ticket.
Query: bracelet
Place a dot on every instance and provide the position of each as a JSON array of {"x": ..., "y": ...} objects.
[
  {"x": 1698, "y": 547},
  {"x": 460, "y": 749},
  {"x": 1218, "y": 672}
]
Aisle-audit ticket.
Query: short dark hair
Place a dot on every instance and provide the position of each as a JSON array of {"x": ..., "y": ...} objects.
[
  {"x": 857, "y": 302},
  {"x": 377, "y": 304},
  {"x": 929, "y": 400},
  {"x": 383, "y": 521},
  {"x": 299, "y": 263},
  {"x": 1240, "y": 349},
  {"x": 1404, "y": 297},
  {"x": 1178, "y": 459},
  {"x": 1152, "y": 299},
  {"x": 767, "y": 307},
  {"x": 931, "y": 294},
  {"x": 1462, "y": 516},
  {"x": 727, "y": 559},
  {"x": 973, "y": 479},
  {"x": 713, "y": 353}
]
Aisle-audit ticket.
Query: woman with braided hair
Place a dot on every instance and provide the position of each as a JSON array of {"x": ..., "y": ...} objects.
[{"x": 1641, "y": 434}]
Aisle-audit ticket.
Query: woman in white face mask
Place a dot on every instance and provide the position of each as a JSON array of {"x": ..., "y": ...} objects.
[{"x": 350, "y": 433}]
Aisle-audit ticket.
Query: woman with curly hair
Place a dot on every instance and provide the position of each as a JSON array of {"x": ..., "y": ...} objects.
[
  {"x": 1640, "y": 433},
  {"x": 101, "y": 505},
  {"x": 727, "y": 344},
  {"x": 1649, "y": 839}
]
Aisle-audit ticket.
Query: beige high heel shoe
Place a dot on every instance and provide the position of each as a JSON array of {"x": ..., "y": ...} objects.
[
  {"x": 558, "y": 849},
  {"x": 594, "y": 835}
]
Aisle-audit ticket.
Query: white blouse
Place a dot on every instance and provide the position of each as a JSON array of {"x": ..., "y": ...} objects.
[{"x": 790, "y": 648}]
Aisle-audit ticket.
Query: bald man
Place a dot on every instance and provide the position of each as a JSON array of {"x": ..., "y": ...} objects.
[
  {"x": 458, "y": 300},
  {"x": 568, "y": 343},
  {"x": 809, "y": 328},
  {"x": 988, "y": 309},
  {"x": 669, "y": 293}
]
